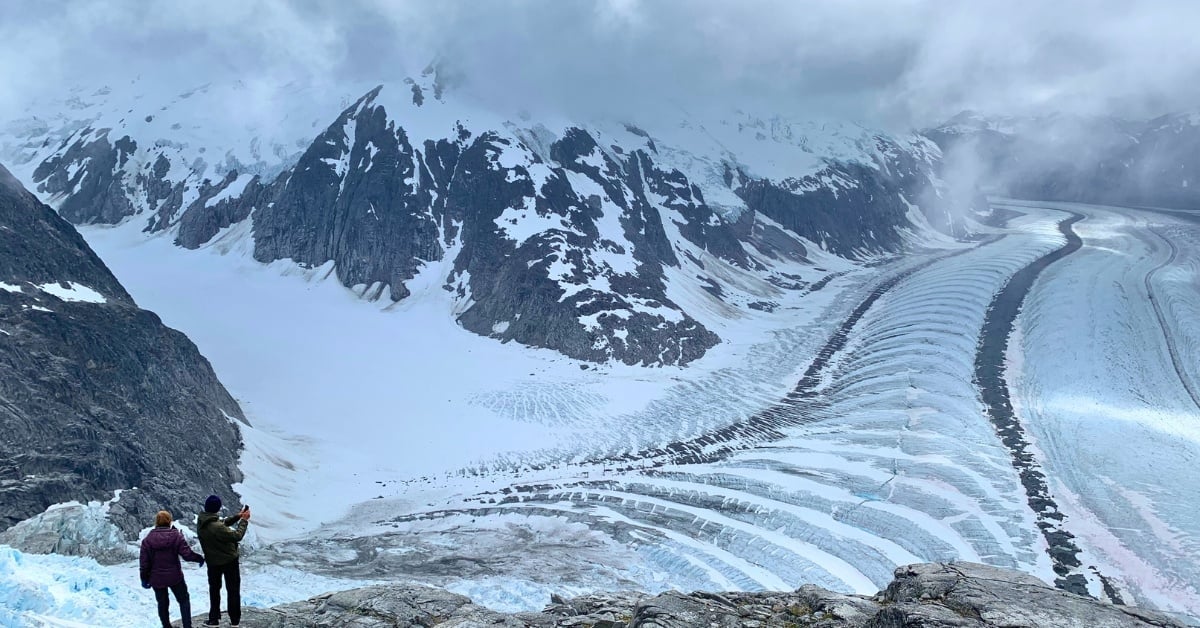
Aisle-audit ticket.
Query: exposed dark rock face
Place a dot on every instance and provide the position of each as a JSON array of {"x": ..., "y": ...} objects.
[
  {"x": 205, "y": 220},
  {"x": 852, "y": 208},
  {"x": 603, "y": 260},
  {"x": 96, "y": 394},
  {"x": 354, "y": 199},
  {"x": 926, "y": 596},
  {"x": 1090, "y": 160},
  {"x": 342, "y": 203},
  {"x": 567, "y": 239},
  {"x": 817, "y": 215},
  {"x": 86, "y": 175}
]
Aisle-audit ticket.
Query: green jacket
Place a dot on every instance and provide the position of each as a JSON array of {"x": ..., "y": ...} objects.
[{"x": 218, "y": 540}]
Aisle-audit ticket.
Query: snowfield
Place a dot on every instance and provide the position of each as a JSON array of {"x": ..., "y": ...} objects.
[{"x": 389, "y": 444}]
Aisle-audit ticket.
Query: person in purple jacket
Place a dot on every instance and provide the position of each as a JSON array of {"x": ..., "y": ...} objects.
[{"x": 160, "y": 568}]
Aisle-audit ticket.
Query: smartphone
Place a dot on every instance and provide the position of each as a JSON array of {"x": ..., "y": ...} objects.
[{"x": 245, "y": 508}]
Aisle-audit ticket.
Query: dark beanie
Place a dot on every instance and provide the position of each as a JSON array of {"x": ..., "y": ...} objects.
[{"x": 212, "y": 504}]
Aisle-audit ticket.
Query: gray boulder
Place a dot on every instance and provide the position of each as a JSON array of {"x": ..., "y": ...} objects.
[{"x": 981, "y": 595}]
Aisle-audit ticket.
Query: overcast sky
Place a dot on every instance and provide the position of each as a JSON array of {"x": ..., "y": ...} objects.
[{"x": 894, "y": 63}]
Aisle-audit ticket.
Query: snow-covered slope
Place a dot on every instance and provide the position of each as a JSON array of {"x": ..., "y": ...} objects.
[
  {"x": 582, "y": 237},
  {"x": 159, "y": 147}
]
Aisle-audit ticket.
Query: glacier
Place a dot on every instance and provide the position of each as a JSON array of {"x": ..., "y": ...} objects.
[
  {"x": 505, "y": 482},
  {"x": 1104, "y": 372}
]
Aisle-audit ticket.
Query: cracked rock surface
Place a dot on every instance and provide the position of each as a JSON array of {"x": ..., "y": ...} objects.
[{"x": 929, "y": 595}]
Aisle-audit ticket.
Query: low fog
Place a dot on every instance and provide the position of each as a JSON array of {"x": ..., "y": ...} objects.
[
  {"x": 896, "y": 64},
  {"x": 1078, "y": 80}
]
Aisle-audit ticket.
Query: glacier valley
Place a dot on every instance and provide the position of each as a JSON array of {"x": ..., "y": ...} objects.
[{"x": 407, "y": 447}]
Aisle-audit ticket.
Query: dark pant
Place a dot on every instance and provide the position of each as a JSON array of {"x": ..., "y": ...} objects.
[
  {"x": 233, "y": 587},
  {"x": 164, "y": 604}
]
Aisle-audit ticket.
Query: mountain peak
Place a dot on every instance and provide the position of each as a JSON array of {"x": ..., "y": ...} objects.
[{"x": 587, "y": 220}]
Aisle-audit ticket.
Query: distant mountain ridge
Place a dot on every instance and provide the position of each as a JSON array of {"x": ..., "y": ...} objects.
[
  {"x": 1076, "y": 158},
  {"x": 589, "y": 239}
]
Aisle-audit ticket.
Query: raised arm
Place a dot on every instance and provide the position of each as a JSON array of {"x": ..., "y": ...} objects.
[
  {"x": 240, "y": 529},
  {"x": 226, "y": 533}
]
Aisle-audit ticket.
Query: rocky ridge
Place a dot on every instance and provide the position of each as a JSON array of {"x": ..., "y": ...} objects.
[
  {"x": 933, "y": 595},
  {"x": 96, "y": 395}
]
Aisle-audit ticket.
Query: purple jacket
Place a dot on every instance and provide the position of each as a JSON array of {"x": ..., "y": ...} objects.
[{"x": 161, "y": 550}]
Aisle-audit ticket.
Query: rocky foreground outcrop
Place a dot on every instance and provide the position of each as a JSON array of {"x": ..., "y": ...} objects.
[
  {"x": 925, "y": 595},
  {"x": 96, "y": 394}
]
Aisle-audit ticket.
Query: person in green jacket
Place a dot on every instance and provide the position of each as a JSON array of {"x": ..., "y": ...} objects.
[{"x": 219, "y": 541}]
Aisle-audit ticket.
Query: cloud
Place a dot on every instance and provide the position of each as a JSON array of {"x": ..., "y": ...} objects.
[
  {"x": 890, "y": 62},
  {"x": 1100, "y": 57}
]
